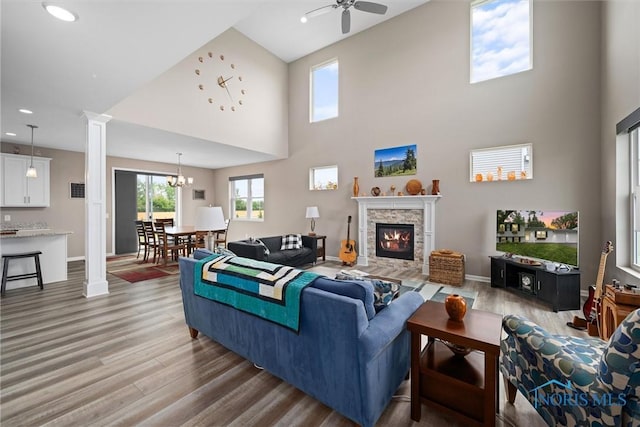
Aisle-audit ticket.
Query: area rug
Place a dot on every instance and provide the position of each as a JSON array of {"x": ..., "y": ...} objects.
[
  {"x": 139, "y": 275},
  {"x": 132, "y": 269}
]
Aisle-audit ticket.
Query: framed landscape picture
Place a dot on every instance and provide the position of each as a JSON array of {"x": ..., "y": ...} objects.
[{"x": 395, "y": 161}]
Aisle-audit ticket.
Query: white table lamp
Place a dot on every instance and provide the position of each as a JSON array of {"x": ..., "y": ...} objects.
[
  {"x": 313, "y": 213},
  {"x": 210, "y": 218}
]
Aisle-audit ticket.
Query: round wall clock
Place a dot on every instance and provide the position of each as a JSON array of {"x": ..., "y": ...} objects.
[{"x": 221, "y": 82}]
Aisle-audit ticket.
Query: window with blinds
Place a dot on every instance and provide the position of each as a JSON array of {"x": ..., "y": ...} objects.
[{"x": 507, "y": 163}]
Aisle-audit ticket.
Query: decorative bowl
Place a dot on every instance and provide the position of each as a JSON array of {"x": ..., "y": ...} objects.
[
  {"x": 413, "y": 187},
  {"x": 456, "y": 349}
]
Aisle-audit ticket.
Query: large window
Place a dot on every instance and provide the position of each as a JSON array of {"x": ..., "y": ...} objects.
[
  {"x": 247, "y": 197},
  {"x": 501, "y": 38},
  {"x": 634, "y": 140},
  {"x": 324, "y": 91},
  {"x": 155, "y": 199}
]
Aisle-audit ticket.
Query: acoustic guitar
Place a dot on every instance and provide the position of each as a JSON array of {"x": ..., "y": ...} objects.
[
  {"x": 591, "y": 308},
  {"x": 348, "y": 253}
]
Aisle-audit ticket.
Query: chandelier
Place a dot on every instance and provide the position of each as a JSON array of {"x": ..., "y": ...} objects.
[{"x": 180, "y": 180}]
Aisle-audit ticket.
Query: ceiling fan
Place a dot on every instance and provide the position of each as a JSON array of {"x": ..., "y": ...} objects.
[{"x": 365, "y": 6}]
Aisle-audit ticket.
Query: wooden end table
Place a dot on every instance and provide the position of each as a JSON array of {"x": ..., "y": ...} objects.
[
  {"x": 321, "y": 249},
  {"x": 464, "y": 387}
]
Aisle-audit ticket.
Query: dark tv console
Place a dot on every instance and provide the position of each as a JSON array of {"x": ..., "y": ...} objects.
[{"x": 561, "y": 289}]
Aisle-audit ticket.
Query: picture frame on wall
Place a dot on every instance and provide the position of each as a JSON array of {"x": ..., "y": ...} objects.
[
  {"x": 395, "y": 161},
  {"x": 198, "y": 194}
]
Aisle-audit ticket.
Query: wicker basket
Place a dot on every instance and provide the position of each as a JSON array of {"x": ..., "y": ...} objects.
[{"x": 446, "y": 267}]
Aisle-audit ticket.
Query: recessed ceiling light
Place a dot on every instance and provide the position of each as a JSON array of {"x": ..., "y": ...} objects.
[
  {"x": 10, "y": 134},
  {"x": 25, "y": 111},
  {"x": 59, "y": 12}
]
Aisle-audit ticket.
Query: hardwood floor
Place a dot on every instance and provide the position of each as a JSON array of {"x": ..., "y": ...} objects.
[{"x": 127, "y": 359}]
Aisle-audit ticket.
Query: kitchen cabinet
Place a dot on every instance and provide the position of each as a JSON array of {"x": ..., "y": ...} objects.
[{"x": 16, "y": 190}]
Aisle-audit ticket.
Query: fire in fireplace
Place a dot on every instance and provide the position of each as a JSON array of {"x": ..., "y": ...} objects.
[{"x": 394, "y": 241}]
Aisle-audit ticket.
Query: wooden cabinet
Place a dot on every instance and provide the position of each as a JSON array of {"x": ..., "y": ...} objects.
[
  {"x": 16, "y": 190},
  {"x": 497, "y": 273},
  {"x": 560, "y": 289},
  {"x": 616, "y": 306}
]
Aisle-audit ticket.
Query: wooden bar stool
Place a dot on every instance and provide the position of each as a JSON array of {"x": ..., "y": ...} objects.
[{"x": 5, "y": 271}]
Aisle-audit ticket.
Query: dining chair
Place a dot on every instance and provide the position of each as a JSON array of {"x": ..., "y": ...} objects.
[
  {"x": 221, "y": 235},
  {"x": 142, "y": 240},
  {"x": 168, "y": 222},
  {"x": 150, "y": 237},
  {"x": 166, "y": 246},
  {"x": 200, "y": 240}
]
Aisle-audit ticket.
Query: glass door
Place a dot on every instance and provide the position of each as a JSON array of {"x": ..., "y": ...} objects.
[{"x": 155, "y": 198}]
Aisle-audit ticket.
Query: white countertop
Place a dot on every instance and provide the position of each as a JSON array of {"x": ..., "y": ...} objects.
[{"x": 35, "y": 233}]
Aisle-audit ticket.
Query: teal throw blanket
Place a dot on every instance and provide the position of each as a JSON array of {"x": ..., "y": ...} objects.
[{"x": 270, "y": 291}]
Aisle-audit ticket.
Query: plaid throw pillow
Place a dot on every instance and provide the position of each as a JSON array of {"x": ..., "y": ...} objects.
[{"x": 291, "y": 241}]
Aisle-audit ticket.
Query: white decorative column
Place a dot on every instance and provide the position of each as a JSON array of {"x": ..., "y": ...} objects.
[
  {"x": 95, "y": 247},
  {"x": 425, "y": 203}
]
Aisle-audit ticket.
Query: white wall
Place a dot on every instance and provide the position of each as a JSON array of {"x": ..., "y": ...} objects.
[
  {"x": 407, "y": 81},
  {"x": 260, "y": 124}
]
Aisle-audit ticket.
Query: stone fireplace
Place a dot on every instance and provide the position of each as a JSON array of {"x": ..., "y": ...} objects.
[
  {"x": 415, "y": 211},
  {"x": 394, "y": 241}
]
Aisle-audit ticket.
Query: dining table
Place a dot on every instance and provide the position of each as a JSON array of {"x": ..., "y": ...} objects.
[
  {"x": 181, "y": 231},
  {"x": 185, "y": 234}
]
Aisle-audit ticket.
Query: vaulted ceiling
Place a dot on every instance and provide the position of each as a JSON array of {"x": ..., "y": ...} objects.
[{"x": 58, "y": 69}]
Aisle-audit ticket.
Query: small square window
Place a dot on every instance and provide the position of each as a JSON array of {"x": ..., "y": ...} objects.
[
  {"x": 507, "y": 163},
  {"x": 323, "y": 178}
]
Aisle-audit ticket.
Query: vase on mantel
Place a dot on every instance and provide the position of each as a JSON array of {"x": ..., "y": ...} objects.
[
  {"x": 435, "y": 187},
  {"x": 356, "y": 187}
]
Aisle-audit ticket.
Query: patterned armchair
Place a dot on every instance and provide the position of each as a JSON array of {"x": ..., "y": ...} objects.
[{"x": 574, "y": 381}]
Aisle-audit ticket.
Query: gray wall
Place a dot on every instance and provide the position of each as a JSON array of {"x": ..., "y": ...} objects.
[
  {"x": 407, "y": 81},
  {"x": 586, "y": 78}
]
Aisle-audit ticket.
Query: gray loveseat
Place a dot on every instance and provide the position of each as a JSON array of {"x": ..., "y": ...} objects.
[{"x": 252, "y": 248}]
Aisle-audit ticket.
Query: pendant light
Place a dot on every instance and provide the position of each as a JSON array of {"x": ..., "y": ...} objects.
[
  {"x": 180, "y": 180},
  {"x": 31, "y": 172}
]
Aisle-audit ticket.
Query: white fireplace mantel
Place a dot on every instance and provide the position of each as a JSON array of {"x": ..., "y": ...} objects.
[{"x": 425, "y": 203}]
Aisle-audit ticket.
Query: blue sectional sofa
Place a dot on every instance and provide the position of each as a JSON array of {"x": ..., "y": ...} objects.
[{"x": 345, "y": 355}]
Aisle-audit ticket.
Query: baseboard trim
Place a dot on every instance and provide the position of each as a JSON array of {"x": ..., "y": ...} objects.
[
  {"x": 475, "y": 278},
  {"x": 82, "y": 258}
]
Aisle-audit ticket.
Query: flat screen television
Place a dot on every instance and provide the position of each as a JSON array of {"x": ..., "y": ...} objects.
[{"x": 539, "y": 235}]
